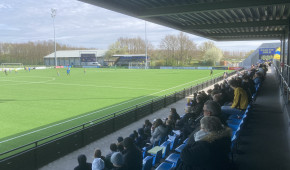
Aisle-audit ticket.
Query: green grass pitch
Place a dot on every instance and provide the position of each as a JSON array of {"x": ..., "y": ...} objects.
[{"x": 39, "y": 103}]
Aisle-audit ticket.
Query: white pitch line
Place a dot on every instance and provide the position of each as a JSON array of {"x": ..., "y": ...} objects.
[
  {"x": 82, "y": 85},
  {"x": 98, "y": 111}
]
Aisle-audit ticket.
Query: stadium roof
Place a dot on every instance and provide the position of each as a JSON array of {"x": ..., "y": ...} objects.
[
  {"x": 76, "y": 53},
  {"x": 214, "y": 19}
]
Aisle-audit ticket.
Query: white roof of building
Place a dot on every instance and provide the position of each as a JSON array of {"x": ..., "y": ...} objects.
[
  {"x": 129, "y": 55},
  {"x": 76, "y": 53}
]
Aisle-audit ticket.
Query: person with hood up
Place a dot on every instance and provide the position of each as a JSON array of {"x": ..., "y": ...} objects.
[
  {"x": 83, "y": 165},
  {"x": 211, "y": 149}
]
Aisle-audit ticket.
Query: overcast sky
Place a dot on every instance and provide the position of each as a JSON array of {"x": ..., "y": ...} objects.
[{"x": 84, "y": 25}]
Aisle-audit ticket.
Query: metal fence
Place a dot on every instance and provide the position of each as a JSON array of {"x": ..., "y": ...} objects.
[
  {"x": 41, "y": 152},
  {"x": 283, "y": 73}
]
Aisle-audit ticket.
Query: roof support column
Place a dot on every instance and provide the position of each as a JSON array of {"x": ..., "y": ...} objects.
[{"x": 288, "y": 61}]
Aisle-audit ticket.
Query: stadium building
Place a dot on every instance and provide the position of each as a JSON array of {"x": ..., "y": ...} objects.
[
  {"x": 129, "y": 59},
  {"x": 76, "y": 57}
]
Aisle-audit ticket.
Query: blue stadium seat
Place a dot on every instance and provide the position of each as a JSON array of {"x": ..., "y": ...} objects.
[
  {"x": 164, "y": 166},
  {"x": 185, "y": 141},
  {"x": 173, "y": 140},
  {"x": 166, "y": 146},
  {"x": 157, "y": 157},
  {"x": 147, "y": 163},
  {"x": 180, "y": 148},
  {"x": 145, "y": 149},
  {"x": 173, "y": 158}
]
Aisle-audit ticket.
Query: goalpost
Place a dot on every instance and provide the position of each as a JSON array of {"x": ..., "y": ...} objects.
[
  {"x": 137, "y": 65},
  {"x": 11, "y": 65}
]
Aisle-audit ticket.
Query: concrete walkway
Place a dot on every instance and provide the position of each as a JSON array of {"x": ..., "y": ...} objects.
[
  {"x": 264, "y": 141},
  {"x": 69, "y": 161}
]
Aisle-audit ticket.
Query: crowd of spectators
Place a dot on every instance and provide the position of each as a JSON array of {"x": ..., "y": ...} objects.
[{"x": 203, "y": 122}]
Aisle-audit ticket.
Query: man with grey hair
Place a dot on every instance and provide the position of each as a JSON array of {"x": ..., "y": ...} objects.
[{"x": 212, "y": 108}]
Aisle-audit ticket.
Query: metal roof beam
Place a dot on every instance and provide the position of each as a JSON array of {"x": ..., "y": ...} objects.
[
  {"x": 283, "y": 22},
  {"x": 206, "y": 7},
  {"x": 247, "y": 33},
  {"x": 245, "y": 39}
]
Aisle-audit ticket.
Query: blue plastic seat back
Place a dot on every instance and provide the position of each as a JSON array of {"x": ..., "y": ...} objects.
[
  {"x": 173, "y": 158},
  {"x": 147, "y": 163},
  {"x": 180, "y": 148},
  {"x": 166, "y": 149},
  {"x": 174, "y": 143},
  {"x": 185, "y": 141},
  {"x": 157, "y": 157},
  {"x": 164, "y": 166},
  {"x": 145, "y": 149}
]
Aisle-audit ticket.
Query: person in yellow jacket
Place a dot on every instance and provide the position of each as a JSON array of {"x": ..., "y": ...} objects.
[{"x": 240, "y": 102}]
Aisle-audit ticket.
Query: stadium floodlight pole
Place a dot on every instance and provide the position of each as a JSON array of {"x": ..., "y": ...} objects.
[
  {"x": 146, "y": 66},
  {"x": 53, "y": 13}
]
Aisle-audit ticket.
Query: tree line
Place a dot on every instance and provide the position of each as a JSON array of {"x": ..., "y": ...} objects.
[
  {"x": 173, "y": 50},
  {"x": 30, "y": 53}
]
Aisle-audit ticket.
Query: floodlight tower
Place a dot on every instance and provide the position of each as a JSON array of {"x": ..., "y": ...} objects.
[
  {"x": 53, "y": 13},
  {"x": 146, "y": 64}
]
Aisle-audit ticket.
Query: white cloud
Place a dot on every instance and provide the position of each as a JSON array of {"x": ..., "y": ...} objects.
[{"x": 82, "y": 24}]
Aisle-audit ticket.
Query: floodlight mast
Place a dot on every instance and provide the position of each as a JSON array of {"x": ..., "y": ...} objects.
[
  {"x": 146, "y": 66},
  {"x": 53, "y": 13}
]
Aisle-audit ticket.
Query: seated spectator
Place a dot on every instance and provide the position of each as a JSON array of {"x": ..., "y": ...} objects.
[
  {"x": 175, "y": 115},
  {"x": 98, "y": 163},
  {"x": 141, "y": 140},
  {"x": 132, "y": 156},
  {"x": 83, "y": 165},
  {"x": 118, "y": 161},
  {"x": 197, "y": 109},
  {"x": 211, "y": 149},
  {"x": 257, "y": 78},
  {"x": 147, "y": 128},
  {"x": 113, "y": 148},
  {"x": 218, "y": 98},
  {"x": 120, "y": 148},
  {"x": 240, "y": 102},
  {"x": 120, "y": 140},
  {"x": 181, "y": 123},
  {"x": 159, "y": 130},
  {"x": 170, "y": 123}
]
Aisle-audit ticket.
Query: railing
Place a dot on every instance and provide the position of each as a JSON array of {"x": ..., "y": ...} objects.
[
  {"x": 41, "y": 152},
  {"x": 283, "y": 74}
]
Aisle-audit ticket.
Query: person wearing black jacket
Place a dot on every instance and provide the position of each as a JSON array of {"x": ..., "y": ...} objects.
[
  {"x": 83, "y": 165},
  {"x": 211, "y": 149},
  {"x": 132, "y": 156}
]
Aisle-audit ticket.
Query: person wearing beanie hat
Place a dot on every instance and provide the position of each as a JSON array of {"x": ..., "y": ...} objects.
[
  {"x": 120, "y": 139},
  {"x": 98, "y": 163},
  {"x": 118, "y": 161}
]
